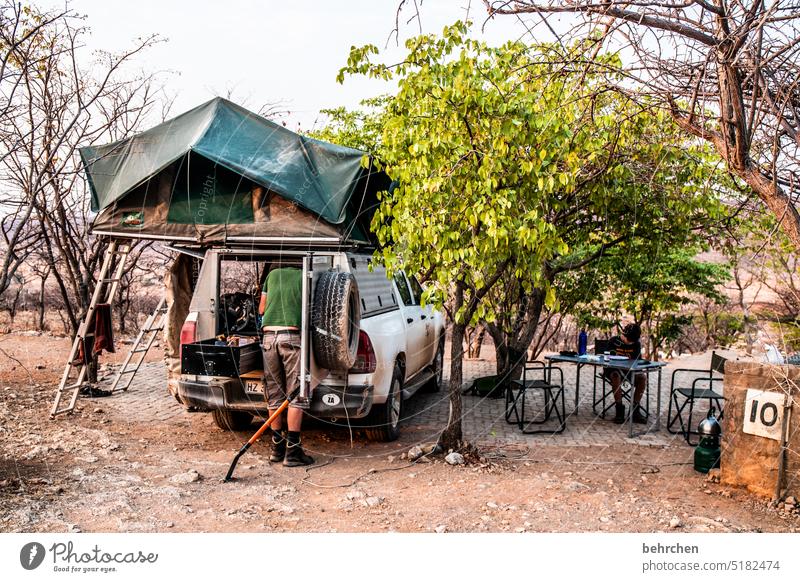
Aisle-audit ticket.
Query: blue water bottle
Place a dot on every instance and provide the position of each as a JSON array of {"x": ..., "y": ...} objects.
[{"x": 582, "y": 340}]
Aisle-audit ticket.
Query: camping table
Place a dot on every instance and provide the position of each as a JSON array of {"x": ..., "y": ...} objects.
[{"x": 643, "y": 366}]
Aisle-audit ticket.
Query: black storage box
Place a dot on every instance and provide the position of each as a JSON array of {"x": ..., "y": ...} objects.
[{"x": 204, "y": 358}]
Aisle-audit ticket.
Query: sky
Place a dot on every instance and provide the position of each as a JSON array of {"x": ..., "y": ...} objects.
[{"x": 270, "y": 51}]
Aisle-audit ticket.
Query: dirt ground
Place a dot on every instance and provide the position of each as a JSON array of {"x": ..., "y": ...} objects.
[{"x": 100, "y": 471}]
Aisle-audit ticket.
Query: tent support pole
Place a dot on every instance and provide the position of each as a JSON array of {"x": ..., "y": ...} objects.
[{"x": 305, "y": 379}]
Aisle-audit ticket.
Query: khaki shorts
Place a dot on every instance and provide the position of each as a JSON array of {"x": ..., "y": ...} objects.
[{"x": 281, "y": 366}]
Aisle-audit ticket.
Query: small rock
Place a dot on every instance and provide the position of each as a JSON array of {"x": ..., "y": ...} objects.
[
  {"x": 675, "y": 523},
  {"x": 169, "y": 524},
  {"x": 431, "y": 448},
  {"x": 190, "y": 476},
  {"x": 713, "y": 476},
  {"x": 98, "y": 411},
  {"x": 415, "y": 453},
  {"x": 454, "y": 459},
  {"x": 373, "y": 501},
  {"x": 605, "y": 519},
  {"x": 440, "y": 529},
  {"x": 575, "y": 486},
  {"x": 390, "y": 458},
  {"x": 491, "y": 505},
  {"x": 790, "y": 500}
]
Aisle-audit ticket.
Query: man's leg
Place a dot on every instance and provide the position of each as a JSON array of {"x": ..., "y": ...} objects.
[
  {"x": 295, "y": 419},
  {"x": 289, "y": 348},
  {"x": 616, "y": 385},
  {"x": 638, "y": 391},
  {"x": 273, "y": 378}
]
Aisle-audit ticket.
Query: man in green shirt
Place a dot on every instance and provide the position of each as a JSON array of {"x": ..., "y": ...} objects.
[{"x": 281, "y": 307}]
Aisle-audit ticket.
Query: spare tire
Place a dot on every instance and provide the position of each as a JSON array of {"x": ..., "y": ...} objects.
[{"x": 335, "y": 320}]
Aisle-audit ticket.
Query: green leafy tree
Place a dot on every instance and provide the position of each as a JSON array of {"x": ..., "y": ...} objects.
[
  {"x": 512, "y": 168},
  {"x": 658, "y": 195}
]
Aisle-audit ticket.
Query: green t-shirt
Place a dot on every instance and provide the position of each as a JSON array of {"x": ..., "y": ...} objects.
[{"x": 284, "y": 297}]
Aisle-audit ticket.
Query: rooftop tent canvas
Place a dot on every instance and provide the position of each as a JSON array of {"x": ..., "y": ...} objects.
[{"x": 219, "y": 171}]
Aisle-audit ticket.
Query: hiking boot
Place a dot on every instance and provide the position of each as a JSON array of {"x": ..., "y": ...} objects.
[
  {"x": 278, "y": 452},
  {"x": 619, "y": 414},
  {"x": 638, "y": 416},
  {"x": 295, "y": 455}
]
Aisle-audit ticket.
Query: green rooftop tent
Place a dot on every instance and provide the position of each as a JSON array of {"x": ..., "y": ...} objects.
[{"x": 221, "y": 174}]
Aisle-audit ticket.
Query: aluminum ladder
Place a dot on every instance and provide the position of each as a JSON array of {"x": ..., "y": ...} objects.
[
  {"x": 106, "y": 288},
  {"x": 147, "y": 336}
]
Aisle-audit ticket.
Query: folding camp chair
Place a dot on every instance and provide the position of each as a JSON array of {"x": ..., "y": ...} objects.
[
  {"x": 691, "y": 394},
  {"x": 517, "y": 398}
]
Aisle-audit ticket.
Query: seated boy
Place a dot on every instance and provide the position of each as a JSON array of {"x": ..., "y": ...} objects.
[{"x": 627, "y": 344}]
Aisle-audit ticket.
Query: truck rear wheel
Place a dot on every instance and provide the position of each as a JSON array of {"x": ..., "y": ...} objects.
[
  {"x": 435, "y": 383},
  {"x": 231, "y": 419},
  {"x": 335, "y": 321},
  {"x": 384, "y": 420}
]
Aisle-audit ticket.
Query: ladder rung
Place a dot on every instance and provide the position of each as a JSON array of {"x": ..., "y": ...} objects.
[
  {"x": 127, "y": 372},
  {"x": 138, "y": 351},
  {"x": 112, "y": 280},
  {"x": 68, "y": 388},
  {"x": 149, "y": 329}
]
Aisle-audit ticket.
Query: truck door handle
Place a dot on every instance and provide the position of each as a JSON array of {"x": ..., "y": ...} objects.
[
  {"x": 423, "y": 317},
  {"x": 409, "y": 320}
]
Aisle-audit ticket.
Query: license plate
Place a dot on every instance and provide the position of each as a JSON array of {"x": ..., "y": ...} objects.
[{"x": 254, "y": 387}]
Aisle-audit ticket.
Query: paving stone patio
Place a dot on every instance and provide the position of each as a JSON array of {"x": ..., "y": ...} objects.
[{"x": 483, "y": 423}]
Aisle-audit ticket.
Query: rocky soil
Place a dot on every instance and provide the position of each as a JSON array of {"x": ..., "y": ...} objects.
[{"x": 98, "y": 470}]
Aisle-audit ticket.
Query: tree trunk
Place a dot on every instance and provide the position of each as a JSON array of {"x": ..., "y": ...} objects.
[
  {"x": 452, "y": 435},
  {"x": 776, "y": 200},
  {"x": 475, "y": 337},
  {"x": 14, "y": 305},
  {"x": 40, "y": 318},
  {"x": 122, "y": 307},
  {"x": 511, "y": 349}
]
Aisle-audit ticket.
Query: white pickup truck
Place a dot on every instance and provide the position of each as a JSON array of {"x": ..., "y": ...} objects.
[{"x": 397, "y": 344}]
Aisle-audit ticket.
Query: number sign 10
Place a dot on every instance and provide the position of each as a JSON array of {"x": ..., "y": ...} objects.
[{"x": 763, "y": 413}]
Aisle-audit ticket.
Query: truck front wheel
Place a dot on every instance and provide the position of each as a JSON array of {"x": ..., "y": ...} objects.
[{"x": 384, "y": 420}]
